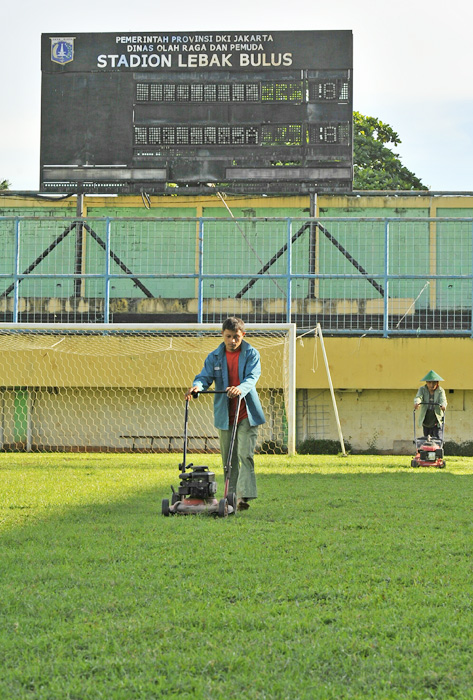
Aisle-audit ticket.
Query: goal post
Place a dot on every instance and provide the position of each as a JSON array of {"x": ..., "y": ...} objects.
[{"x": 116, "y": 387}]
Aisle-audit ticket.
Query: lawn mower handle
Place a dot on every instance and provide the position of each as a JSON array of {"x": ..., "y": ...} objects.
[
  {"x": 228, "y": 464},
  {"x": 195, "y": 395},
  {"x": 426, "y": 403},
  {"x": 186, "y": 419}
]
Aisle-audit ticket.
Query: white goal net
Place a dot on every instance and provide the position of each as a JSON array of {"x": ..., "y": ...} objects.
[{"x": 108, "y": 387}]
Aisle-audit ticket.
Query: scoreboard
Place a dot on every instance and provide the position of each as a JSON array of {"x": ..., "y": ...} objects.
[{"x": 143, "y": 112}]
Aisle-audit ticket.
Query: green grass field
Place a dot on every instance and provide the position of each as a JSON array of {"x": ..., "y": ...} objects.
[{"x": 348, "y": 578}]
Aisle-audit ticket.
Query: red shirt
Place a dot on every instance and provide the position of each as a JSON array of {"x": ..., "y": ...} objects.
[{"x": 234, "y": 380}]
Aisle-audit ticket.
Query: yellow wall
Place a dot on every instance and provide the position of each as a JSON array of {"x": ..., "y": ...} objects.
[
  {"x": 384, "y": 363},
  {"x": 375, "y": 381},
  {"x": 118, "y": 362},
  {"x": 437, "y": 205},
  {"x": 196, "y": 205},
  {"x": 355, "y": 363},
  {"x": 447, "y": 203}
]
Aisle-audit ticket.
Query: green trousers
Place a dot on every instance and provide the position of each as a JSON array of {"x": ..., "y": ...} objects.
[{"x": 242, "y": 477}]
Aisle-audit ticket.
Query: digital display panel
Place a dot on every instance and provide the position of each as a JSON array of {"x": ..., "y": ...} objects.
[{"x": 257, "y": 111}]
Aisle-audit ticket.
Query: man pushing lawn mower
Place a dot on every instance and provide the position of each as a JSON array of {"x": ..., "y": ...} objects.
[
  {"x": 235, "y": 368},
  {"x": 431, "y": 402}
]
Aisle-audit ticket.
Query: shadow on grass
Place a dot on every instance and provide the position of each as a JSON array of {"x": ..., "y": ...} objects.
[
  {"x": 138, "y": 515},
  {"x": 109, "y": 594}
]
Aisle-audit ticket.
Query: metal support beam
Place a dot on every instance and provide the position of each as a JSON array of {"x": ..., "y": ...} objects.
[
  {"x": 41, "y": 257},
  {"x": 117, "y": 260},
  {"x": 332, "y": 239},
  {"x": 79, "y": 248},
  {"x": 312, "y": 243},
  {"x": 98, "y": 240}
]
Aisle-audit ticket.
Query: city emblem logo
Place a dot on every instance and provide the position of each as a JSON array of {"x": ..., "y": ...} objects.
[{"x": 62, "y": 49}]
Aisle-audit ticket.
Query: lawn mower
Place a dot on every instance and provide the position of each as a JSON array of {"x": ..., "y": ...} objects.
[
  {"x": 197, "y": 490},
  {"x": 429, "y": 450}
]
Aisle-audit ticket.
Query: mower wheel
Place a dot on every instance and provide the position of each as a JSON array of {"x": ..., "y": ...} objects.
[
  {"x": 232, "y": 500},
  {"x": 414, "y": 463},
  {"x": 165, "y": 507},
  {"x": 442, "y": 464},
  {"x": 222, "y": 508}
]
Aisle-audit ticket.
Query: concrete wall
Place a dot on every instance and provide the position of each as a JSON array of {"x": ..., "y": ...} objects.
[
  {"x": 382, "y": 420},
  {"x": 375, "y": 381}
]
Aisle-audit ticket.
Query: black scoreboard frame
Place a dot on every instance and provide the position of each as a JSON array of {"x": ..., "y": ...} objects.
[{"x": 172, "y": 111}]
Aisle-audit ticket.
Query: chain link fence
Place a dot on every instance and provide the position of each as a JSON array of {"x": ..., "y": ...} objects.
[{"x": 381, "y": 276}]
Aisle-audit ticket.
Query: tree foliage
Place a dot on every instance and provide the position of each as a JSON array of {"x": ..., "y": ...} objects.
[
  {"x": 376, "y": 166},
  {"x": 4, "y": 184}
]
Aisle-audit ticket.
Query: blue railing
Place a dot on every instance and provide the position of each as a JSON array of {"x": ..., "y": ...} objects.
[{"x": 354, "y": 276}]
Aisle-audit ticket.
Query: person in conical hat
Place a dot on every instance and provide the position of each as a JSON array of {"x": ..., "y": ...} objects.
[{"x": 432, "y": 403}]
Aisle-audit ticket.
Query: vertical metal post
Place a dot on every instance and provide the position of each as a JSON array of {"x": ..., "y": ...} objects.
[
  {"x": 79, "y": 246},
  {"x": 16, "y": 271},
  {"x": 386, "y": 281},
  {"x": 271, "y": 417},
  {"x": 2, "y": 419},
  {"x": 106, "y": 300},
  {"x": 332, "y": 393},
  {"x": 200, "y": 285},
  {"x": 289, "y": 273},
  {"x": 433, "y": 265},
  {"x": 291, "y": 402},
  {"x": 312, "y": 243},
  {"x": 21, "y": 417},
  {"x": 29, "y": 421},
  {"x": 305, "y": 413},
  {"x": 471, "y": 333}
]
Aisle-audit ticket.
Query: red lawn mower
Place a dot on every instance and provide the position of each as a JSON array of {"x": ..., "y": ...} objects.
[
  {"x": 197, "y": 490},
  {"x": 429, "y": 450}
]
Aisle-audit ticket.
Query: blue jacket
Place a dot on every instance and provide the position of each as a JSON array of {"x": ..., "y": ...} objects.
[{"x": 216, "y": 370}]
